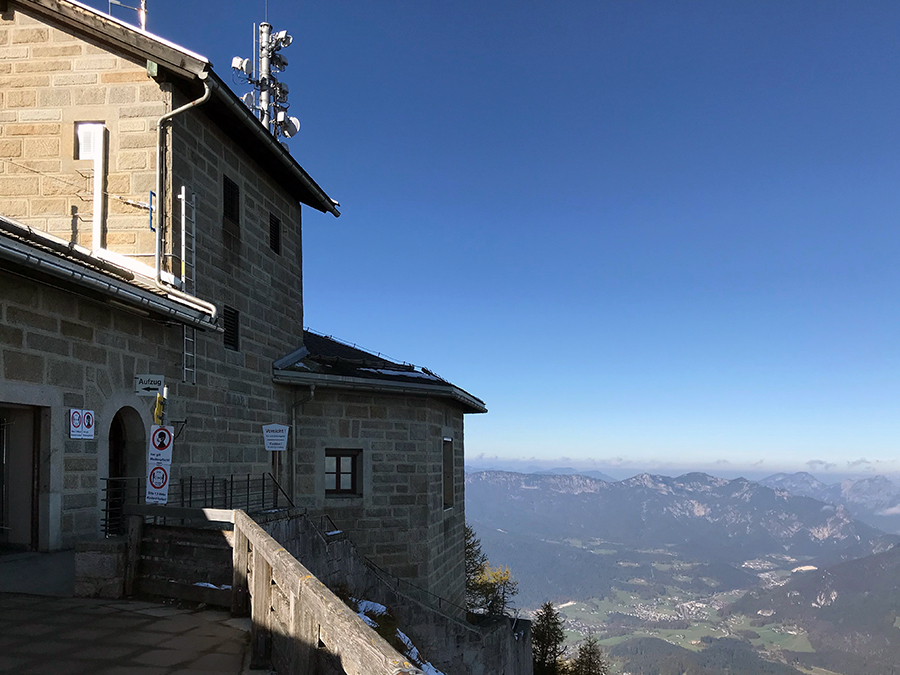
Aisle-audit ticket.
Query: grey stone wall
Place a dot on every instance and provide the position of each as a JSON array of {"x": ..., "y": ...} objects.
[
  {"x": 398, "y": 520},
  {"x": 500, "y": 646}
]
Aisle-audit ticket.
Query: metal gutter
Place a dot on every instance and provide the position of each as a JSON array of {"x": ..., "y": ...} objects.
[
  {"x": 290, "y": 359},
  {"x": 324, "y": 381},
  {"x": 41, "y": 261}
]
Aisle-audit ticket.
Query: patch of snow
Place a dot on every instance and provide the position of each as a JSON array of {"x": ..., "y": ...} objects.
[
  {"x": 369, "y": 620},
  {"x": 414, "y": 655},
  {"x": 371, "y": 607},
  {"x": 401, "y": 373},
  {"x": 333, "y": 532},
  {"x": 566, "y": 604}
]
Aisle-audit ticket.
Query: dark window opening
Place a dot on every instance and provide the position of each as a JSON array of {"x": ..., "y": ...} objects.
[
  {"x": 275, "y": 234},
  {"x": 232, "y": 319},
  {"x": 448, "y": 473},
  {"x": 231, "y": 203},
  {"x": 342, "y": 472}
]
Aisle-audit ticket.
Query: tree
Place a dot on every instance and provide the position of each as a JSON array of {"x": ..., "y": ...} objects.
[
  {"x": 488, "y": 589},
  {"x": 496, "y": 588},
  {"x": 547, "y": 639},
  {"x": 476, "y": 560},
  {"x": 590, "y": 659}
]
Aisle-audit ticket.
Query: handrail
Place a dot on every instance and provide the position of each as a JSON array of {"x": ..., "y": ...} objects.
[
  {"x": 270, "y": 582},
  {"x": 281, "y": 490}
]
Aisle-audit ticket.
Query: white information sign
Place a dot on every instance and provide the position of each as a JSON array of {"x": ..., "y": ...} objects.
[
  {"x": 160, "y": 449},
  {"x": 275, "y": 437},
  {"x": 157, "y": 485},
  {"x": 81, "y": 423},
  {"x": 148, "y": 385}
]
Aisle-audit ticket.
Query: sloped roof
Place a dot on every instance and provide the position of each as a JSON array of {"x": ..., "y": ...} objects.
[
  {"x": 224, "y": 108},
  {"x": 329, "y": 363},
  {"x": 28, "y": 252}
]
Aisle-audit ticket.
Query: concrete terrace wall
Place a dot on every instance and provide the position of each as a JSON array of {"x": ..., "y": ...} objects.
[
  {"x": 398, "y": 521},
  {"x": 49, "y": 80},
  {"x": 501, "y": 646}
]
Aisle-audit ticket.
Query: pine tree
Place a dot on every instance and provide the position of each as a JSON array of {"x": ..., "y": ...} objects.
[
  {"x": 590, "y": 658},
  {"x": 547, "y": 639},
  {"x": 488, "y": 589},
  {"x": 476, "y": 561}
]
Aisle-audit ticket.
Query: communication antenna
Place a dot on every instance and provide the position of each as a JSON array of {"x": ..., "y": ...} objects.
[
  {"x": 268, "y": 101},
  {"x": 142, "y": 11}
]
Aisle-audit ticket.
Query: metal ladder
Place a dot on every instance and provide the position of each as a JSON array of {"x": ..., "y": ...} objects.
[{"x": 188, "y": 260}]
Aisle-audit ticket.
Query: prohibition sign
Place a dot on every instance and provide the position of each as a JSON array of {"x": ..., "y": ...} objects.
[
  {"x": 76, "y": 419},
  {"x": 162, "y": 439},
  {"x": 158, "y": 478},
  {"x": 88, "y": 420}
]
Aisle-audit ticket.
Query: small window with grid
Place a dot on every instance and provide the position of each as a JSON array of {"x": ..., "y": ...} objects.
[
  {"x": 342, "y": 472},
  {"x": 275, "y": 233},
  {"x": 232, "y": 320}
]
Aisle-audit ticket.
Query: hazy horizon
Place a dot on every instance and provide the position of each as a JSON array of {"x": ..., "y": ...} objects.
[{"x": 621, "y": 470}]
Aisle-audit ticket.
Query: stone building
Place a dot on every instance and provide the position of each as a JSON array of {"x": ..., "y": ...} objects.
[{"x": 200, "y": 284}]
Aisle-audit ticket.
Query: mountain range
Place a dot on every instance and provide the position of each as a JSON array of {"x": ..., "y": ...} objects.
[
  {"x": 849, "y": 610},
  {"x": 696, "y": 514},
  {"x": 664, "y": 567},
  {"x": 874, "y": 500}
]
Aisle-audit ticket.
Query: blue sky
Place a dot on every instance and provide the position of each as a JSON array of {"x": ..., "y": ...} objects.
[{"x": 647, "y": 234}]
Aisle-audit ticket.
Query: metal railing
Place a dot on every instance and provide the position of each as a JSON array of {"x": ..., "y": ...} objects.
[{"x": 252, "y": 493}]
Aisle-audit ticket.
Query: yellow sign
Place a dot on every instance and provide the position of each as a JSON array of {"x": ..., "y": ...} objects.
[{"x": 159, "y": 409}]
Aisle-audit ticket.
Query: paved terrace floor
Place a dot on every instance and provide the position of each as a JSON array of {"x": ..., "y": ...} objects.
[{"x": 53, "y": 634}]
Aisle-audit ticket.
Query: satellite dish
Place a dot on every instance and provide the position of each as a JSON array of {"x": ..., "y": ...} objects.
[
  {"x": 249, "y": 100},
  {"x": 290, "y": 126}
]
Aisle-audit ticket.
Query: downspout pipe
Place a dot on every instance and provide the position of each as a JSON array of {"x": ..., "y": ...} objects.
[{"x": 160, "y": 202}]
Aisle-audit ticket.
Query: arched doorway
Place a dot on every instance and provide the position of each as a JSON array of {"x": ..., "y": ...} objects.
[{"x": 127, "y": 466}]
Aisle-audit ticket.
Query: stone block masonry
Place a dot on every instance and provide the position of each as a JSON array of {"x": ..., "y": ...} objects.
[
  {"x": 51, "y": 80},
  {"x": 398, "y": 519}
]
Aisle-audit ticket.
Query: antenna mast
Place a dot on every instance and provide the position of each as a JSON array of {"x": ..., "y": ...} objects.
[
  {"x": 142, "y": 11},
  {"x": 272, "y": 94}
]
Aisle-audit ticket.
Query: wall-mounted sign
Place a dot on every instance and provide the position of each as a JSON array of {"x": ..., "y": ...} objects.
[
  {"x": 159, "y": 462},
  {"x": 157, "y": 485},
  {"x": 81, "y": 423},
  {"x": 275, "y": 437},
  {"x": 160, "y": 449},
  {"x": 148, "y": 385}
]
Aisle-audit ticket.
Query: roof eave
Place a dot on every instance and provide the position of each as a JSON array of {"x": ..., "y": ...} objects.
[
  {"x": 39, "y": 263},
  {"x": 293, "y": 377},
  {"x": 185, "y": 64},
  {"x": 109, "y": 30},
  {"x": 320, "y": 200}
]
